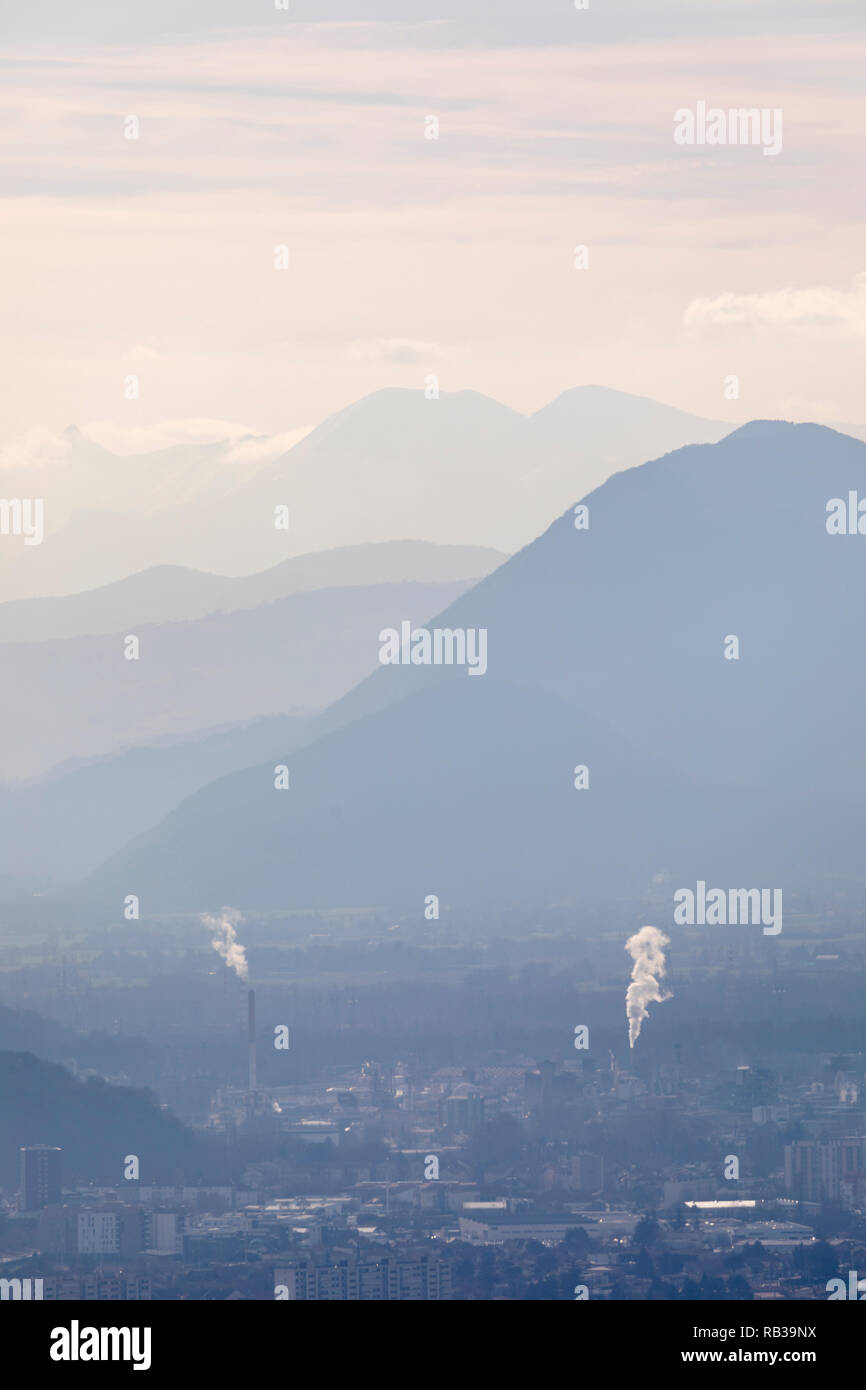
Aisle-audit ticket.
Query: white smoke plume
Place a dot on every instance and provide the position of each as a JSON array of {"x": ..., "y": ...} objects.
[
  {"x": 647, "y": 949},
  {"x": 225, "y": 940}
]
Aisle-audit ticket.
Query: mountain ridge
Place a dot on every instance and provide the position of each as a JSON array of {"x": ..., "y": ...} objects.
[
  {"x": 622, "y": 626},
  {"x": 461, "y": 468}
]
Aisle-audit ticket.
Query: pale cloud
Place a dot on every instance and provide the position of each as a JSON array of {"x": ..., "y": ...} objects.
[
  {"x": 266, "y": 448},
  {"x": 141, "y": 353},
  {"x": 155, "y": 256},
  {"x": 802, "y": 408},
  {"x": 35, "y": 448},
  {"x": 39, "y": 448},
  {"x": 123, "y": 439},
  {"x": 814, "y": 309},
  {"x": 454, "y": 22},
  {"x": 398, "y": 351}
]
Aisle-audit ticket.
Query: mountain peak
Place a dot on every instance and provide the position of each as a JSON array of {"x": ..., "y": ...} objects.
[{"x": 777, "y": 429}]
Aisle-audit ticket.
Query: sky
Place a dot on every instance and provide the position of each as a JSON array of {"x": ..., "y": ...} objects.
[{"x": 259, "y": 128}]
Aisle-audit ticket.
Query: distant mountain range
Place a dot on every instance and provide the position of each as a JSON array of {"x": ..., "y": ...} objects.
[
  {"x": 82, "y": 697},
  {"x": 210, "y": 661},
  {"x": 606, "y": 648},
  {"x": 461, "y": 469},
  {"x": 173, "y": 593},
  {"x": 68, "y": 822}
]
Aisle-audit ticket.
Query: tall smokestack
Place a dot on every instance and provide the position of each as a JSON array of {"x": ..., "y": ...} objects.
[{"x": 251, "y": 1044}]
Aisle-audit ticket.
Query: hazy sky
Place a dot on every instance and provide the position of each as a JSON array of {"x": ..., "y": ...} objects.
[{"x": 261, "y": 127}]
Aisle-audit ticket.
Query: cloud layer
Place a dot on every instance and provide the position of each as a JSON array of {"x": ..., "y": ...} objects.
[{"x": 155, "y": 257}]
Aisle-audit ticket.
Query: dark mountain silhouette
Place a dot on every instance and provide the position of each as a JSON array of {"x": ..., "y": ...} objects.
[
  {"x": 95, "y": 1124},
  {"x": 466, "y": 792},
  {"x": 628, "y": 618},
  {"x": 606, "y": 648}
]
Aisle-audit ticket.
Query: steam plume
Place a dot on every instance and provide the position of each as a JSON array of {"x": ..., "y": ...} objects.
[
  {"x": 225, "y": 940},
  {"x": 647, "y": 949}
]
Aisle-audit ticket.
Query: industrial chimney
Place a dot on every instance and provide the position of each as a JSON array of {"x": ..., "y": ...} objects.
[{"x": 251, "y": 1044}]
